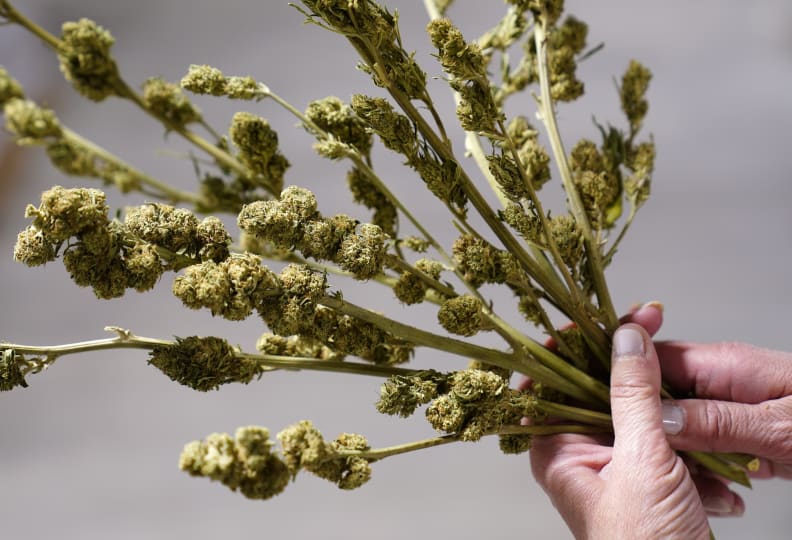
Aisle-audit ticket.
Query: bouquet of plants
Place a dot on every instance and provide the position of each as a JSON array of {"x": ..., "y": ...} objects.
[{"x": 288, "y": 258}]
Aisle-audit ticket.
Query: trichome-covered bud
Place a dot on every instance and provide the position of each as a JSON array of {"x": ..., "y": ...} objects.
[
  {"x": 458, "y": 58},
  {"x": 213, "y": 238},
  {"x": 394, "y": 129},
  {"x": 163, "y": 225},
  {"x": 71, "y": 158},
  {"x": 303, "y": 447},
  {"x": 203, "y": 363},
  {"x": 409, "y": 288},
  {"x": 168, "y": 103},
  {"x": 232, "y": 288},
  {"x": 402, "y": 394},
  {"x": 336, "y": 118},
  {"x": 64, "y": 213},
  {"x": 515, "y": 444},
  {"x": 634, "y": 84},
  {"x": 258, "y": 147},
  {"x": 481, "y": 262},
  {"x": 33, "y": 248},
  {"x": 462, "y": 315},
  {"x": 269, "y": 220},
  {"x": 446, "y": 414},
  {"x": 302, "y": 346},
  {"x": 10, "y": 372},
  {"x": 476, "y": 385},
  {"x": 567, "y": 236},
  {"x": 29, "y": 123},
  {"x": 85, "y": 60},
  {"x": 527, "y": 223},
  {"x": 245, "y": 463},
  {"x": 9, "y": 87},
  {"x": 143, "y": 266},
  {"x": 299, "y": 200},
  {"x": 203, "y": 79},
  {"x": 363, "y": 253}
]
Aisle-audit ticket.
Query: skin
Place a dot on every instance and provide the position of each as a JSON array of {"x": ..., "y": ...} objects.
[{"x": 634, "y": 485}]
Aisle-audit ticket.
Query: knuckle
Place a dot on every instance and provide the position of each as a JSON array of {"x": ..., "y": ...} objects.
[
  {"x": 632, "y": 390},
  {"x": 716, "y": 421}
]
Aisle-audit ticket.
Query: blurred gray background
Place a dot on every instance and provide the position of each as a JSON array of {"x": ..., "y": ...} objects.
[{"x": 89, "y": 451}]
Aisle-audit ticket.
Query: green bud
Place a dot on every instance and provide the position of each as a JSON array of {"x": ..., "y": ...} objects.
[
  {"x": 143, "y": 266},
  {"x": 515, "y": 444},
  {"x": 634, "y": 84},
  {"x": 476, "y": 385},
  {"x": 203, "y": 79},
  {"x": 446, "y": 414},
  {"x": 409, "y": 288},
  {"x": 29, "y": 123},
  {"x": 168, "y": 103},
  {"x": 568, "y": 238},
  {"x": 462, "y": 315},
  {"x": 10, "y": 373},
  {"x": 459, "y": 59},
  {"x": 33, "y": 248},
  {"x": 402, "y": 394},
  {"x": 64, "y": 213},
  {"x": 203, "y": 364},
  {"x": 363, "y": 253},
  {"x": 9, "y": 87},
  {"x": 163, "y": 225},
  {"x": 85, "y": 59},
  {"x": 245, "y": 464},
  {"x": 213, "y": 238},
  {"x": 336, "y": 118}
]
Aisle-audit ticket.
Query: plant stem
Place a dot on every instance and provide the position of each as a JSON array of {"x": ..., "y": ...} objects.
[
  {"x": 512, "y": 361},
  {"x": 381, "y": 453},
  {"x": 127, "y": 340},
  {"x": 575, "y": 202}
]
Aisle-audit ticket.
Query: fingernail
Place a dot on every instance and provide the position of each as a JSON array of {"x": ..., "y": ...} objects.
[
  {"x": 627, "y": 342},
  {"x": 654, "y": 304},
  {"x": 718, "y": 506},
  {"x": 673, "y": 418}
]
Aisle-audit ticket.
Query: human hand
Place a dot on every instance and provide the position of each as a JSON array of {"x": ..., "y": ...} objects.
[
  {"x": 638, "y": 487},
  {"x": 744, "y": 401}
]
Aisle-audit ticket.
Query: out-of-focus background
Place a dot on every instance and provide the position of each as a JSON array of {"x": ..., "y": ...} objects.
[{"x": 89, "y": 451}]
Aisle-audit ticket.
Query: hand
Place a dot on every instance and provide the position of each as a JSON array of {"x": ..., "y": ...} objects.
[
  {"x": 639, "y": 487},
  {"x": 746, "y": 403}
]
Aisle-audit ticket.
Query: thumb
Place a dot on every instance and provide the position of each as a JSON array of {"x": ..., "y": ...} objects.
[{"x": 635, "y": 397}]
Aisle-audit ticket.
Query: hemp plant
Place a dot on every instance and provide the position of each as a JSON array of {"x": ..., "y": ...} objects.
[{"x": 286, "y": 260}]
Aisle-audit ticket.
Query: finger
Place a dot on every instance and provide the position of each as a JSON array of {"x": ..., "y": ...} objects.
[
  {"x": 760, "y": 429},
  {"x": 717, "y": 499},
  {"x": 649, "y": 315},
  {"x": 727, "y": 371},
  {"x": 635, "y": 398}
]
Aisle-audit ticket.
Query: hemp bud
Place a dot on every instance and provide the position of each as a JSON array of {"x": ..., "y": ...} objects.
[
  {"x": 462, "y": 315},
  {"x": 33, "y": 248},
  {"x": 363, "y": 253},
  {"x": 446, "y": 414},
  {"x": 9, "y": 87},
  {"x": 64, "y": 213},
  {"x": 85, "y": 59},
  {"x": 162, "y": 225},
  {"x": 30, "y": 123},
  {"x": 168, "y": 103},
  {"x": 203, "y": 363},
  {"x": 402, "y": 394},
  {"x": 336, "y": 118},
  {"x": 10, "y": 373}
]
